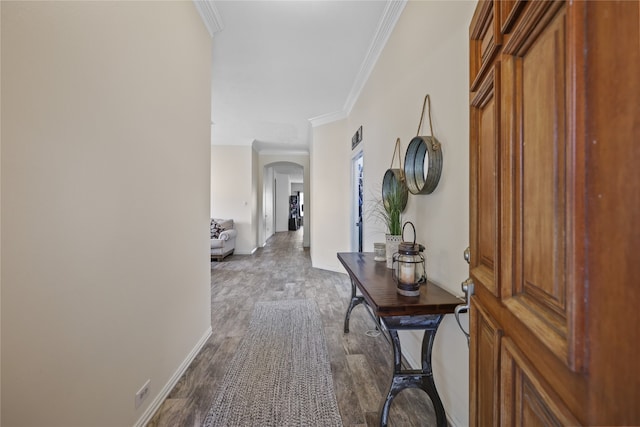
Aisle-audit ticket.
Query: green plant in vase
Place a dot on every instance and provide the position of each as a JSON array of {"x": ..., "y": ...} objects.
[
  {"x": 393, "y": 206},
  {"x": 393, "y": 202}
]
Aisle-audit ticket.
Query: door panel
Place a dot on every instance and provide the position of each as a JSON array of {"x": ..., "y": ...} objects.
[
  {"x": 508, "y": 10},
  {"x": 485, "y": 365},
  {"x": 613, "y": 201},
  {"x": 554, "y": 207},
  {"x": 485, "y": 40},
  {"x": 485, "y": 112},
  {"x": 538, "y": 292},
  {"x": 527, "y": 400}
]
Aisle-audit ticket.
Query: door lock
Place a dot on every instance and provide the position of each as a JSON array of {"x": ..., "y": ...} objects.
[{"x": 468, "y": 288}]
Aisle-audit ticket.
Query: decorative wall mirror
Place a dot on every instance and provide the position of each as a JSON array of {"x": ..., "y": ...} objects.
[
  {"x": 394, "y": 186},
  {"x": 423, "y": 164},
  {"x": 423, "y": 160},
  {"x": 394, "y": 190}
]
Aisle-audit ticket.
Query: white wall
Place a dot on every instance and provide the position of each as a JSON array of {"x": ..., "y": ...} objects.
[
  {"x": 330, "y": 194},
  {"x": 268, "y": 214},
  {"x": 426, "y": 53},
  {"x": 256, "y": 171},
  {"x": 297, "y": 186},
  {"x": 283, "y": 191},
  {"x": 0, "y": 219},
  {"x": 232, "y": 191},
  {"x": 105, "y": 181}
]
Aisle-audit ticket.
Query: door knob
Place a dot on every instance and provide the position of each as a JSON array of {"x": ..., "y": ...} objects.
[{"x": 468, "y": 289}]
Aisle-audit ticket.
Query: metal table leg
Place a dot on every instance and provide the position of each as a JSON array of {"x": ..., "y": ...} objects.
[
  {"x": 423, "y": 378},
  {"x": 355, "y": 300}
]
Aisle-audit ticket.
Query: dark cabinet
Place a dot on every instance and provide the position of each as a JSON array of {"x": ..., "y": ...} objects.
[{"x": 294, "y": 213}]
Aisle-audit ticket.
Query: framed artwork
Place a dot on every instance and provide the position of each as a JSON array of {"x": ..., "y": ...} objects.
[{"x": 357, "y": 137}]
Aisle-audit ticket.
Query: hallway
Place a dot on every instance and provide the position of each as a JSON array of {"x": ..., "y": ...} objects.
[{"x": 360, "y": 364}]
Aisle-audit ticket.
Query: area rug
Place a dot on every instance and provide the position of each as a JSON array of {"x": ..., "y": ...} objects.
[{"x": 280, "y": 375}]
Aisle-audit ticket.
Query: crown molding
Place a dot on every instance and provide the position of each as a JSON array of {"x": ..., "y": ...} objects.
[
  {"x": 268, "y": 149},
  {"x": 387, "y": 23},
  {"x": 210, "y": 16},
  {"x": 282, "y": 152},
  {"x": 328, "y": 118}
]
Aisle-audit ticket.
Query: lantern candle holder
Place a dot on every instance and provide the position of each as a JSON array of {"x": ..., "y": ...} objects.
[{"x": 409, "y": 266}]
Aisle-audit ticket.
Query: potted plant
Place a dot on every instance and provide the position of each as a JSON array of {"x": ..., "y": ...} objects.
[
  {"x": 389, "y": 211},
  {"x": 392, "y": 210}
]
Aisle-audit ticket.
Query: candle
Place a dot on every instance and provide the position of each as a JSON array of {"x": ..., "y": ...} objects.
[{"x": 407, "y": 272}]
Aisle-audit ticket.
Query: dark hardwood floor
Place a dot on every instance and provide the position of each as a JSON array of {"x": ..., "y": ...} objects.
[{"x": 361, "y": 364}]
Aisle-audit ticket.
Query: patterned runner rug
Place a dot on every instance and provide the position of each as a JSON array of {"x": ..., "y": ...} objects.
[{"x": 280, "y": 375}]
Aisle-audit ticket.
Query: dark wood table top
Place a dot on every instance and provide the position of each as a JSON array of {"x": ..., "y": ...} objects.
[{"x": 378, "y": 287}]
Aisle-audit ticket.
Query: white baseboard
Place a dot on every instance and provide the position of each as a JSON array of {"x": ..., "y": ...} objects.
[
  {"x": 155, "y": 405},
  {"x": 450, "y": 421},
  {"x": 335, "y": 268},
  {"x": 417, "y": 365},
  {"x": 245, "y": 252},
  {"x": 412, "y": 363}
]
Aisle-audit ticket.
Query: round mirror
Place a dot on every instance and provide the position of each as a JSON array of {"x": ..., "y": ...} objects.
[
  {"x": 425, "y": 167},
  {"x": 423, "y": 164},
  {"x": 394, "y": 189}
]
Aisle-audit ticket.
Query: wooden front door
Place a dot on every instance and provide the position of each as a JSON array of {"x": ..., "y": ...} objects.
[{"x": 555, "y": 213}]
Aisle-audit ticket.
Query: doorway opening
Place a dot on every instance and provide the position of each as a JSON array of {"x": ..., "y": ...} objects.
[
  {"x": 281, "y": 181},
  {"x": 357, "y": 191}
]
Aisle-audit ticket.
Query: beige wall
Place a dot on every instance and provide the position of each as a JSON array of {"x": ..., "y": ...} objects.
[
  {"x": 232, "y": 191},
  {"x": 0, "y": 217},
  {"x": 427, "y": 53},
  {"x": 105, "y": 182},
  {"x": 330, "y": 194}
]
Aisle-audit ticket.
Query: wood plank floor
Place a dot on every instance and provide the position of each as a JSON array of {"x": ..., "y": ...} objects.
[{"x": 361, "y": 364}]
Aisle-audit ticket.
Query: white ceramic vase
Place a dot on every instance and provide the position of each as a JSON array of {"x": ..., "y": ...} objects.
[{"x": 392, "y": 247}]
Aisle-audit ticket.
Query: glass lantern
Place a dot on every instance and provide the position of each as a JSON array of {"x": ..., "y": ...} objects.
[{"x": 409, "y": 267}]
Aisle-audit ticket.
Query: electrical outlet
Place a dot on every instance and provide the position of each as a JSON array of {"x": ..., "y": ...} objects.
[{"x": 142, "y": 394}]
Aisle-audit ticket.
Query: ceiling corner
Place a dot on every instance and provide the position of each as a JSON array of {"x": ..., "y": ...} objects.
[{"x": 210, "y": 16}]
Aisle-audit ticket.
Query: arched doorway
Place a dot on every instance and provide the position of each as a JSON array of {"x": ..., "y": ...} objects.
[{"x": 280, "y": 180}]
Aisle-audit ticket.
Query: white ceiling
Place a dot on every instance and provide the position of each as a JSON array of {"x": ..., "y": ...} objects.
[{"x": 278, "y": 64}]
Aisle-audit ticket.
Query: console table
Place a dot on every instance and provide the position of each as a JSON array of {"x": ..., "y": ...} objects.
[{"x": 395, "y": 312}]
